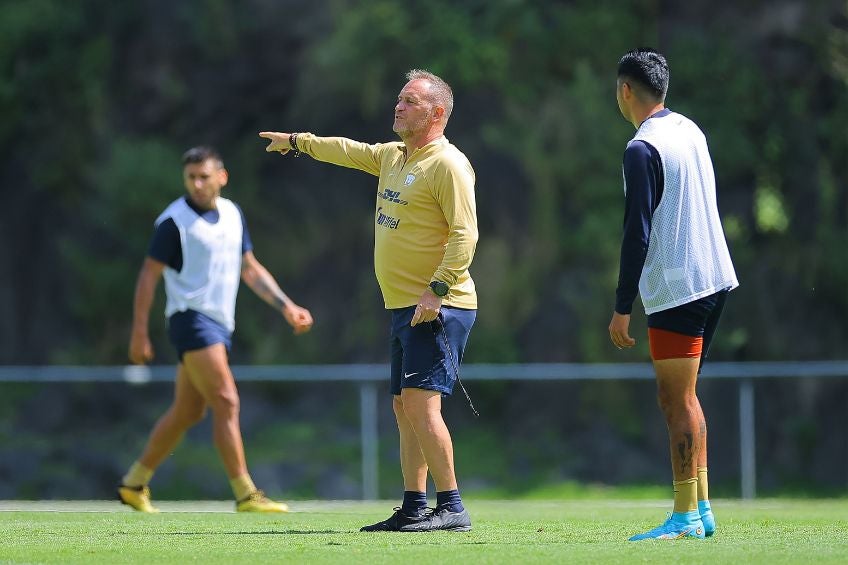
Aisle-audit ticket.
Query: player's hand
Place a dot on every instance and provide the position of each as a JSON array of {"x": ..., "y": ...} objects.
[
  {"x": 619, "y": 330},
  {"x": 141, "y": 350},
  {"x": 300, "y": 319},
  {"x": 279, "y": 141},
  {"x": 427, "y": 309}
]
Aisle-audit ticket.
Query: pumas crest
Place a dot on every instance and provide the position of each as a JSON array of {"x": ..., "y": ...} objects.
[{"x": 410, "y": 178}]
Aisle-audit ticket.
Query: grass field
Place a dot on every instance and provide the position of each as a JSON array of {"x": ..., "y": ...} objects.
[{"x": 585, "y": 531}]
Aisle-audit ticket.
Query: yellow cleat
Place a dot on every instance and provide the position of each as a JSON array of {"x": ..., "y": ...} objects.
[
  {"x": 137, "y": 497},
  {"x": 258, "y": 502}
]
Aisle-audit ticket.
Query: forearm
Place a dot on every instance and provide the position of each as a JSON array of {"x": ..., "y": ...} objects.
[
  {"x": 454, "y": 190},
  {"x": 340, "y": 151},
  {"x": 265, "y": 286},
  {"x": 630, "y": 270},
  {"x": 145, "y": 291},
  {"x": 459, "y": 252}
]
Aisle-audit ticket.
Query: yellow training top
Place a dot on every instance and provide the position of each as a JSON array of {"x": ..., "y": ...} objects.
[{"x": 425, "y": 221}]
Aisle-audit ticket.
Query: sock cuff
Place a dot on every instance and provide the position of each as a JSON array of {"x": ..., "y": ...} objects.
[
  {"x": 689, "y": 516},
  {"x": 138, "y": 475},
  {"x": 702, "y": 469},
  {"x": 242, "y": 486},
  {"x": 450, "y": 499},
  {"x": 685, "y": 481}
]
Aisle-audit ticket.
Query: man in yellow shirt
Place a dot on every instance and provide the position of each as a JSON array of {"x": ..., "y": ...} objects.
[{"x": 425, "y": 225}]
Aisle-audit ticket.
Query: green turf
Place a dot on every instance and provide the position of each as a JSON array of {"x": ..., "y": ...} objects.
[{"x": 528, "y": 531}]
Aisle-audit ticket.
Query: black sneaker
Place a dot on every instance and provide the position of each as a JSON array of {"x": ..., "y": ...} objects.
[
  {"x": 394, "y": 523},
  {"x": 440, "y": 519}
]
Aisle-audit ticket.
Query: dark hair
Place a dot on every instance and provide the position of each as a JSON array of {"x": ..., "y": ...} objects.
[
  {"x": 646, "y": 67},
  {"x": 201, "y": 154}
]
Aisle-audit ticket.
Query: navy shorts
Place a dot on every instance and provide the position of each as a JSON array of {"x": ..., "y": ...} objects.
[
  {"x": 698, "y": 318},
  {"x": 192, "y": 330},
  {"x": 428, "y": 355}
]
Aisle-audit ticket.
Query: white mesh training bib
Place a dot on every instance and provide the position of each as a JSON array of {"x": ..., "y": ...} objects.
[
  {"x": 209, "y": 280},
  {"x": 687, "y": 253}
]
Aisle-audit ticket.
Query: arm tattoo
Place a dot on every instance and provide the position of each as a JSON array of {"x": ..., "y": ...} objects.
[{"x": 268, "y": 290}]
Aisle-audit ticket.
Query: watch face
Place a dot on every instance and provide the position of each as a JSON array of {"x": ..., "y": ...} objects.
[{"x": 439, "y": 288}]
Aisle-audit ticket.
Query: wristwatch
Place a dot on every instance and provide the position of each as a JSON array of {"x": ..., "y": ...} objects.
[{"x": 439, "y": 288}]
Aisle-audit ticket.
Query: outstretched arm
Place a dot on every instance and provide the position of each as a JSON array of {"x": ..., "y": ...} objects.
[
  {"x": 141, "y": 350},
  {"x": 336, "y": 150},
  {"x": 261, "y": 282}
]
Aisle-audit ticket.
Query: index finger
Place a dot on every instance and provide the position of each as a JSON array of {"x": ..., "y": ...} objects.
[{"x": 416, "y": 318}]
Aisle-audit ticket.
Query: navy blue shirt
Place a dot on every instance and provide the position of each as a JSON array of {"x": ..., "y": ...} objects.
[
  {"x": 165, "y": 245},
  {"x": 643, "y": 174}
]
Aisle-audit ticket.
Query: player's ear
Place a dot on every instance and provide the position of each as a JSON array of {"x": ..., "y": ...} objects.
[
  {"x": 438, "y": 113},
  {"x": 223, "y": 177}
]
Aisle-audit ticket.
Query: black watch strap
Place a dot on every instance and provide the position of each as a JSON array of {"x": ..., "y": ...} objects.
[{"x": 439, "y": 288}]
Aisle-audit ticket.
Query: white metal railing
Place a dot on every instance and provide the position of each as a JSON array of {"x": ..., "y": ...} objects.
[{"x": 369, "y": 375}]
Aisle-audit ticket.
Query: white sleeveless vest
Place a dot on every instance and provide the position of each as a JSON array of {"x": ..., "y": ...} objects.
[
  {"x": 209, "y": 280},
  {"x": 687, "y": 255}
]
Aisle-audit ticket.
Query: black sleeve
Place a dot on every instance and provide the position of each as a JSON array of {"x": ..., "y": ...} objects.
[
  {"x": 165, "y": 245},
  {"x": 643, "y": 179}
]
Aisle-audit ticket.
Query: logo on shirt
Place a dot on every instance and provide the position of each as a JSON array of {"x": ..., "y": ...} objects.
[
  {"x": 393, "y": 196},
  {"x": 386, "y": 221},
  {"x": 410, "y": 178}
]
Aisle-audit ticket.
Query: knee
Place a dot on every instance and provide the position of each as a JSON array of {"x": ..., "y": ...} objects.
[
  {"x": 187, "y": 415},
  {"x": 675, "y": 404},
  {"x": 193, "y": 416},
  {"x": 225, "y": 402}
]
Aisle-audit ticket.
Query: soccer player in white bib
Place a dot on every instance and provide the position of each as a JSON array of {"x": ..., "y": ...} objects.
[
  {"x": 674, "y": 254},
  {"x": 425, "y": 227},
  {"x": 201, "y": 246}
]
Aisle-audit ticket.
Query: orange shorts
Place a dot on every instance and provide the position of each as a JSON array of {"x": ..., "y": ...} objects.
[{"x": 672, "y": 345}]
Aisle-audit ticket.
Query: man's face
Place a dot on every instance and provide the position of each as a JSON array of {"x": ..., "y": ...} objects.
[
  {"x": 204, "y": 182},
  {"x": 413, "y": 112}
]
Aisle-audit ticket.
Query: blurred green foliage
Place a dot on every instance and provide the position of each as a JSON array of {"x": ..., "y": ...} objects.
[{"x": 99, "y": 99}]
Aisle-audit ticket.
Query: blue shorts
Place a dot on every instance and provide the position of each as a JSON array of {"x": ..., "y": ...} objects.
[
  {"x": 192, "y": 330},
  {"x": 428, "y": 355},
  {"x": 698, "y": 318}
]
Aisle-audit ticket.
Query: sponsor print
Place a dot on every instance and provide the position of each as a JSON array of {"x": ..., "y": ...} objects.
[{"x": 386, "y": 221}]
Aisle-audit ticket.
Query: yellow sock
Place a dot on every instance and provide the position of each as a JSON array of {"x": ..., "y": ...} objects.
[
  {"x": 686, "y": 495},
  {"x": 242, "y": 486},
  {"x": 137, "y": 476},
  {"x": 703, "y": 488}
]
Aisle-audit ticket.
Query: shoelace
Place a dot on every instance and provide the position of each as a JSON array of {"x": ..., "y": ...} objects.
[
  {"x": 661, "y": 527},
  {"x": 428, "y": 512}
]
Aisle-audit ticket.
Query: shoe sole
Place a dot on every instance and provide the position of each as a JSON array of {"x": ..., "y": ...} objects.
[
  {"x": 454, "y": 529},
  {"x": 125, "y": 503}
]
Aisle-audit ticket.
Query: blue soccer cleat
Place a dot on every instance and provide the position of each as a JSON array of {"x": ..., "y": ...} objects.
[
  {"x": 679, "y": 525},
  {"x": 707, "y": 517}
]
